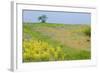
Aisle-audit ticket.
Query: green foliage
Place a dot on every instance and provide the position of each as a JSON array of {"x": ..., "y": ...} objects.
[
  {"x": 87, "y": 31},
  {"x": 42, "y": 18},
  {"x": 37, "y": 50}
]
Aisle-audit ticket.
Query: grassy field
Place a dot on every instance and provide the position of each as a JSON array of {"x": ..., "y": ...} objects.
[{"x": 55, "y": 42}]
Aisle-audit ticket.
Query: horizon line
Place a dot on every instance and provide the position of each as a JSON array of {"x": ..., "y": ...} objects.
[{"x": 57, "y": 23}]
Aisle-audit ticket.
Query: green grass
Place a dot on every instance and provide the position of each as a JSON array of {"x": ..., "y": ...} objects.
[{"x": 70, "y": 38}]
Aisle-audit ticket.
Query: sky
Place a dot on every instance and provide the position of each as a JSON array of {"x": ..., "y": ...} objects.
[{"x": 31, "y": 16}]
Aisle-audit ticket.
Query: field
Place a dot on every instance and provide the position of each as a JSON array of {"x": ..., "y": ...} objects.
[{"x": 55, "y": 42}]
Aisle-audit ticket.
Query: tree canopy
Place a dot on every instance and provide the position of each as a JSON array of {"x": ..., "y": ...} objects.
[{"x": 42, "y": 18}]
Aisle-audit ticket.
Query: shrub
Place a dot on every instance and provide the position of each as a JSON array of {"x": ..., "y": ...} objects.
[
  {"x": 87, "y": 31},
  {"x": 37, "y": 50}
]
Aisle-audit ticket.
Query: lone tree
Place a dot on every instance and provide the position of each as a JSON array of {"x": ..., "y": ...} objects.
[{"x": 42, "y": 18}]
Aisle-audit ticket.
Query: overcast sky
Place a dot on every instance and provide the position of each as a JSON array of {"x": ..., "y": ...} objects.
[{"x": 57, "y": 17}]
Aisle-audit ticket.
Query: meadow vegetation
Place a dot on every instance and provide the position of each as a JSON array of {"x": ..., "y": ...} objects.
[{"x": 55, "y": 42}]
